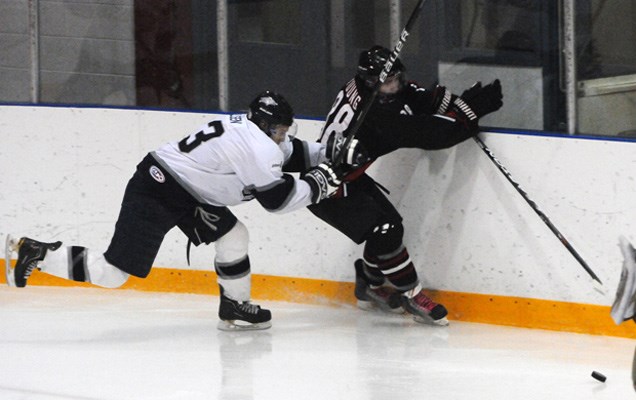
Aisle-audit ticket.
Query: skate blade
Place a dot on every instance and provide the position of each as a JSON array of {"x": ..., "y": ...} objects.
[
  {"x": 11, "y": 246},
  {"x": 373, "y": 306},
  {"x": 236, "y": 325},
  {"x": 430, "y": 321}
]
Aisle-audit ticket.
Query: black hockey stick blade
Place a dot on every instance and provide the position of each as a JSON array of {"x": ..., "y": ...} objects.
[
  {"x": 536, "y": 209},
  {"x": 383, "y": 75}
]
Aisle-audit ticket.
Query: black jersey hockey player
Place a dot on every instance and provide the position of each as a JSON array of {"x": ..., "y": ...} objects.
[
  {"x": 404, "y": 115},
  {"x": 189, "y": 183}
]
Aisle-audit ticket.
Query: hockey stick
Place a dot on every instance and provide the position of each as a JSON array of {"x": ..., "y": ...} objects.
[
  {"x": 382, "y": 78},
  {"x": 536, "y": 209}
]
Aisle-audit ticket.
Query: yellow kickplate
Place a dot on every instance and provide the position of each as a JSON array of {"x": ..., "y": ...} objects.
[{"x": 469, "y": 307}]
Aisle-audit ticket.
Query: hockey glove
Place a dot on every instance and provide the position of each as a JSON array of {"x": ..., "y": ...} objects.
[
  {"x": 478, "y": 101},
  {"x": 355, "y": 154},
  {"x": 441, "y": 98},
  {"x": 323, "y": 180}
]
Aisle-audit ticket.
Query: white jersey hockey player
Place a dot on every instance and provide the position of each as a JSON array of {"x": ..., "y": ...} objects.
[
  {"x": 624, "y": 306},
  {"x": 189, "y": 184}
]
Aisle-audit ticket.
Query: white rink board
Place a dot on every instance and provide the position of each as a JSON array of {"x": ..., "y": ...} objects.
[{"x": 64, "y": 171}]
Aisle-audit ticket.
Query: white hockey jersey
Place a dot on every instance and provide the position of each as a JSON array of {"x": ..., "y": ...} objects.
[{"x": 230, "y": 160}]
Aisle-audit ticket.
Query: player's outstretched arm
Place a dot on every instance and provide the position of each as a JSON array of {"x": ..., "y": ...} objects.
[{"x": 476, "y": 102}]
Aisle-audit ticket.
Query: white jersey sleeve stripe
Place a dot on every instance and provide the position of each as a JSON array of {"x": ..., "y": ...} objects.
[{"x": 276, "y": 197}]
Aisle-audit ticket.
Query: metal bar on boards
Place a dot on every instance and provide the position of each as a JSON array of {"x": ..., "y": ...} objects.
[
  {"x": 223, "y": 54},
  {"x": 34, "y": 49},
  {"x": 337, "y": 36},
  {"x": 569, "y": 60},
  {"x": 395, "y": 15}
]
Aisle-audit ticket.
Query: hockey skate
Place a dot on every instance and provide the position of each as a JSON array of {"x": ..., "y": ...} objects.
[
  {"x": 424, "y": 309},
  {"x": 624, "y": 307},
  {"x": 369, "y": 297},
  {"x": 236, "y": 315},
  {"x": 30, "y": 252}
]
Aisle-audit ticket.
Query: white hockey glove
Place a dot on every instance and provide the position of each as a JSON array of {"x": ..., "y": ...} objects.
[
  {"x": 323, "y": 180},
  {"x": 355, "y": 154}
]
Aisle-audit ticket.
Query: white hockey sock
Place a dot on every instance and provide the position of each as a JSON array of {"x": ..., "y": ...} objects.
[
  {"x": 235, "y": 278},
  {"x": 232, "y": 264},
  {"x": 82, "y": 265},
  {"x": 238, "y": 289}
]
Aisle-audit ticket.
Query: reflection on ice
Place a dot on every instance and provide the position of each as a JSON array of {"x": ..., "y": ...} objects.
[{"x": 70, "y": 343}]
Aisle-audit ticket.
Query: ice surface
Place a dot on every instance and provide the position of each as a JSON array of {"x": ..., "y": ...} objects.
[{"x": 72, "y": 343}]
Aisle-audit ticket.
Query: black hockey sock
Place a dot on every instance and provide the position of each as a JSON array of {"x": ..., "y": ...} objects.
[
  {"x": 397, "y": 267},
  {"x": 371, "y": 275}
]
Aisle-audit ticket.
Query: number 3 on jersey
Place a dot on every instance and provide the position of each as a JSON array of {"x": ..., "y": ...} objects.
[{"x": 189, "y": 143}]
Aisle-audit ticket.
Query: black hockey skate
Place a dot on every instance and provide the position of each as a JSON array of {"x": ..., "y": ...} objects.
[
  {"x": 236, "y": 315},
  {"x": 380, "y": 297},
  {"x": 424, "y": 309},
  {"x": 30, "y": 252}
]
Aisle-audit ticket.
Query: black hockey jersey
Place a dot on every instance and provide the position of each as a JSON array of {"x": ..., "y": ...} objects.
[{"x": 413, "y": 118}]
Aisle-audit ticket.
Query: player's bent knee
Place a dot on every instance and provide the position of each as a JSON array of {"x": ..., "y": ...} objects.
[
  {"x": 385, "y": 238},
  {"x": 233, "y": 245},
  {"x": 113, "y": 278},
  {"x": 104, "y": 274}
]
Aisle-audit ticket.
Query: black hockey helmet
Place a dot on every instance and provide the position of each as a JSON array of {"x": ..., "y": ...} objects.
[
  {"x": 269, "y": 109},
  {"x": 372, "y": 62}
]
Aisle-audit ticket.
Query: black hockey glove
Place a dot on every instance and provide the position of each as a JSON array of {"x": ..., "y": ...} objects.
[
  {"x": 323, "y": 180},
  {"x": 478, "y": 101},
  {"x": 355, "y": 154}
]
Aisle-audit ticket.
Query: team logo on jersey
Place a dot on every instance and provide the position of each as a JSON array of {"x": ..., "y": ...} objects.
[{"x": 156, "y": 174}]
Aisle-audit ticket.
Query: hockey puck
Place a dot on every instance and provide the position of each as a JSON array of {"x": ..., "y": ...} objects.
[{"x": 598, "y": 376}]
